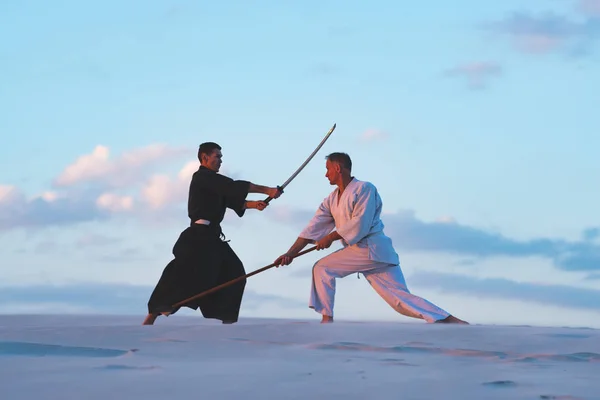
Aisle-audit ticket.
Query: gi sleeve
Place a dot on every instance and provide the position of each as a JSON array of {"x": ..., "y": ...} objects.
[
  {"x": 321, "y": 224},
  {"x": 234, "y": 192},
  {"x": 361, "y": 219}
]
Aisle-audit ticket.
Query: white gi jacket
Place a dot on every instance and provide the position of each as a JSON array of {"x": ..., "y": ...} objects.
[{"x": 356, "y": 217}]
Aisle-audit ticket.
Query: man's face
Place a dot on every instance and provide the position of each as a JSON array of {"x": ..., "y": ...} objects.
[
  {"x": 333, "y": 172},
  {"x": 214, "y": 160}
]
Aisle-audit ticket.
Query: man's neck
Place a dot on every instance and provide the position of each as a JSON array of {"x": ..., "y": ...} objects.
[{"x": 344, "y": 183}]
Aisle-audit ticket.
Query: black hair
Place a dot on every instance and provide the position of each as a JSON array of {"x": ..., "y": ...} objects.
[{"x": 207, "y": 148}]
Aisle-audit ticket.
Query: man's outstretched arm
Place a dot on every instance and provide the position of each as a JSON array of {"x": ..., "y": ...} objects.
[
  {"x": 273, "y": 192},
  {"x": 236, "y": 191}
]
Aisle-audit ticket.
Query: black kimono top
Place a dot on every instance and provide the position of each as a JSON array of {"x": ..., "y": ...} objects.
[{"x": 211, "y": 194}]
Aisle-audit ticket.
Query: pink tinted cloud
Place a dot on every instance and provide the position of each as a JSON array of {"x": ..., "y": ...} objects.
[
  {"x": 372, "y": 135},
  {"x": 161, "y": 190},
  {"x": 98, "y": 187},
  {"x": 590, "y": 7},
  {"x": 120, "y": 171},
  {"x": 477, "y": 73},
  {"x": 549, "y": 32}
]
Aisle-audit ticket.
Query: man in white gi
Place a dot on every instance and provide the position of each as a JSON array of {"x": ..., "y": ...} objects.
[{"x": 354, "y": 210}]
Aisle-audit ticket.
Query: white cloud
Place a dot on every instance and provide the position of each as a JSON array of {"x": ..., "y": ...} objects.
[
  {"x": 161, "y": 190},
  {"x": 86, "y": 167},
  {"x": 115, "y": 203},
  {"x": 119, "y": 172},
  {"x": 476, "y": 73},
  {"x": 547, "y": 32},
  {"x": 446, "y": 220},
  {"x": 96, "y": 186},
  {"x": 372, "y": 135},
  {"x": 9, "y": 194},
  {"x": 538, "y": 43},
  {"x": 158, "y": 191},
  {"x": 92, "y": 239},
  {"x": 188, "y": 170},
  {"x": 590, "y": 7},
  {"x": 49, "y": 196}
]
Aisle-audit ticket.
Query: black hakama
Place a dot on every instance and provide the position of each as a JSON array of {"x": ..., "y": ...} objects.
[{"x": 202, "y": 259}]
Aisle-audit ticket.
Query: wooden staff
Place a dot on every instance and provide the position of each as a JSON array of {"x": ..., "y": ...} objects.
[{"x": 231, "y": 282}]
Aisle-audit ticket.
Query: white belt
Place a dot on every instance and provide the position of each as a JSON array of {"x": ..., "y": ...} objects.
[{"x": 202, "y": 222}]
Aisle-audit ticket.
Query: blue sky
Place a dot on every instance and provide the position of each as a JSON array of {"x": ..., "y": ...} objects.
[{"x": 476, "y": 122}]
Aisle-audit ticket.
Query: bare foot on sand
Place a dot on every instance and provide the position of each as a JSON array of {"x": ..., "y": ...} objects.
[
  {"x": 326, "y": 319},
  {"x": 150, "y": 318},
  {"x": 451, "y": 319}
]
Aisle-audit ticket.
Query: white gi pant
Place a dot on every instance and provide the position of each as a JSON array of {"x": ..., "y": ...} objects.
[{"x": 387, "y": 280}]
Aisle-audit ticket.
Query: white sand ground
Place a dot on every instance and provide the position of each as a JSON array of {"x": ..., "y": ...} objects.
[{"x": 182, "y": 357}]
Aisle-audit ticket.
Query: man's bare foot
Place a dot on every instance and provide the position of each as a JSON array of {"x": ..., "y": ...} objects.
[
  {"x": 150, "y": 318},
  {"x": 326, "y": 319},
  {"x": 451, "y": 319}
]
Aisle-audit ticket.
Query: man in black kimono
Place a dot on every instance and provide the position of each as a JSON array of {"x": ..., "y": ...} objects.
[{"x": 202, "y": 258}]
